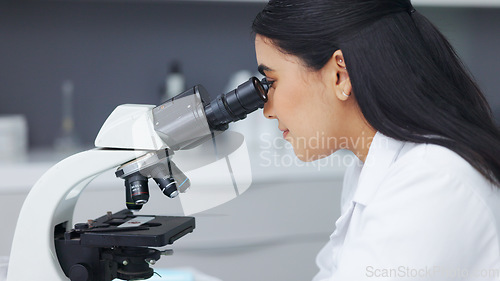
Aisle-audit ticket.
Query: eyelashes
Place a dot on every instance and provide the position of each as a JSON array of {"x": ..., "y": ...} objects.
[{"x": 267, "y": 82}]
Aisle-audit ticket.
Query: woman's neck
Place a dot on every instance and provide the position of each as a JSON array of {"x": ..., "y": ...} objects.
[{"x": 361, "y": 144}]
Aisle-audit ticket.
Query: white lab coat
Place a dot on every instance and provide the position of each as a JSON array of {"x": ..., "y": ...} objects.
[{"x": 414, "y": 212}]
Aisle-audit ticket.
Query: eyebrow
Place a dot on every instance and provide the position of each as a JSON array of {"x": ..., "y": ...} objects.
[{"x": 263, "y": 68}]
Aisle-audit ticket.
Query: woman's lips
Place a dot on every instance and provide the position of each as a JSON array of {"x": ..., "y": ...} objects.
[{"x": 285, "y": 133}]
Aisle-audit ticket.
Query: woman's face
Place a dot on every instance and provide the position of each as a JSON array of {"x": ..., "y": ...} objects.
[{"x": 305, "y": 102}]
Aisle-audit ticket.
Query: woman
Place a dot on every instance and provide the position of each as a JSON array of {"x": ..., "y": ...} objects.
[{"x": 376, "y": 77}]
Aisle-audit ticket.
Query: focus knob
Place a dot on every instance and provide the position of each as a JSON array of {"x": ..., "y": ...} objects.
[{"x": 79, "y": 272}]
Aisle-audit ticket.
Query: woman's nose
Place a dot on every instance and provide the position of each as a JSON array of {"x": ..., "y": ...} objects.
[{"x": 269, "y": 107}]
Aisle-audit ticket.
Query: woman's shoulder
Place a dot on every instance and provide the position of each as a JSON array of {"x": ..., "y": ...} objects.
[
  {"x": 433, "y": 170},
  {"x": 431, "y": 198},
  {"x": 431, "y": 159}
]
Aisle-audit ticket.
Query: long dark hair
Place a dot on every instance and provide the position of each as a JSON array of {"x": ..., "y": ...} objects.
[{"x": 406, "y": 77}]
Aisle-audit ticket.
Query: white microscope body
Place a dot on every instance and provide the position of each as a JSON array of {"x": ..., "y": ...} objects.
[
  {"x": 130, "y": 132},
  {"x": 52, "y": 199}
]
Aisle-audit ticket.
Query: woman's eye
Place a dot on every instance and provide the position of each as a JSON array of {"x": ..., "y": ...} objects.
[{"x": 268, "y": 82}]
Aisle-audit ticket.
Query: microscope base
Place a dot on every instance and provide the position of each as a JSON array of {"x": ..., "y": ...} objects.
[{"x": 116, "y": 245}]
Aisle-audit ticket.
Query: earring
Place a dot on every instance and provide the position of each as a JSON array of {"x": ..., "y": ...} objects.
[
  {"x": 347, "y": 95},
  {"x": 341, "y": 61}
]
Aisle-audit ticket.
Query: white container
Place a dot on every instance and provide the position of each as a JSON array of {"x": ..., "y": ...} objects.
[{"x": 13, "y": 138}]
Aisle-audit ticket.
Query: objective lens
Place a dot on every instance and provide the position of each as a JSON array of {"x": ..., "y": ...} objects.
[
  {"x": 235, "y": 105},
  {"x": 168, "y": 186},
  {"x": 136, "y": 191},
  {"x": 164, "y": 180}
]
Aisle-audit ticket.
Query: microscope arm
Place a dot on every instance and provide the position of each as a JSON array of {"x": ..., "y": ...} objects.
[{"x": 50, "y": 203}]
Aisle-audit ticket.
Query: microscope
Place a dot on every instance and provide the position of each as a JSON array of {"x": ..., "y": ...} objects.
[{"x": 139, "y": 142}]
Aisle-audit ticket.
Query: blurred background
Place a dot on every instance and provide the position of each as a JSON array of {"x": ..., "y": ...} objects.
[{"x": 65, "y": 65}]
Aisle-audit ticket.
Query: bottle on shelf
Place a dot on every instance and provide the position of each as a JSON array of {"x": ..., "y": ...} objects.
[{"x": 174, "y": 84}]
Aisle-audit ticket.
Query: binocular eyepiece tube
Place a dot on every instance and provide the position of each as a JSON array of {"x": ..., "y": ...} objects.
[{"x": 190, "y": 117}]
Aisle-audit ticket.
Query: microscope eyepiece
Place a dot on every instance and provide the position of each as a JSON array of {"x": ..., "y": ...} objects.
[{"x": 236, "y": 104}]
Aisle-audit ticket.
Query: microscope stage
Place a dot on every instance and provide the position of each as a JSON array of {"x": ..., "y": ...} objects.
[{"x": 124, "y": 229}]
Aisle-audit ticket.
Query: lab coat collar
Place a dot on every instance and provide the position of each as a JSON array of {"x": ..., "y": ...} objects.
[{"x": 382, "y": 153}]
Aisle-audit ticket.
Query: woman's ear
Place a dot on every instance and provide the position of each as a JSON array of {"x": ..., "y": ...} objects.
[
  {"x": 345, "y": 90},
  {"x": 336, "y": 67},
  {"x": 339, "y": 59}
]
